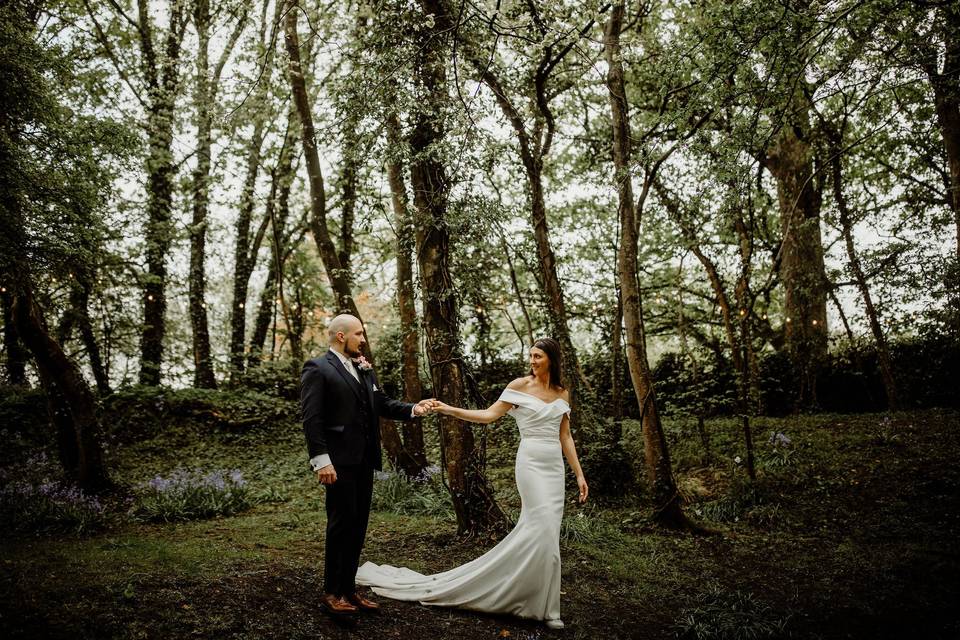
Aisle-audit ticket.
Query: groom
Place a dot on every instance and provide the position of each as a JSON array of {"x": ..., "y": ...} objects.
[{"x": 341, "y": 403}]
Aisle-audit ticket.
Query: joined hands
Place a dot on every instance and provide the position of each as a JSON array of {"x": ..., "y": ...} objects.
[{"x": 430, "y": 405}]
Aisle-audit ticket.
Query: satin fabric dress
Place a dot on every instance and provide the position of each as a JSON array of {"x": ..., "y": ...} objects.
[{"x": 521, "y": 575}]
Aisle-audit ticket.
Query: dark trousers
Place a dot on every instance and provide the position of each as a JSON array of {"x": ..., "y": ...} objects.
[{"x": 348, "y": 512}]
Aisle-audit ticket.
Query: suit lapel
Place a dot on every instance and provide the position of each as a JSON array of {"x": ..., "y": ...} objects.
[{"x": 349, "y": 379}]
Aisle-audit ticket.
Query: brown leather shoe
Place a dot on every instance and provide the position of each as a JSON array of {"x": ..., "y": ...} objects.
[
  {"x": 337, "y": 605},
  {"x": 363, "y": 603}
]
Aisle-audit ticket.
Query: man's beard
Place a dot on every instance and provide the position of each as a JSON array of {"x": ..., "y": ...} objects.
[{"x": 351, "y": 352}]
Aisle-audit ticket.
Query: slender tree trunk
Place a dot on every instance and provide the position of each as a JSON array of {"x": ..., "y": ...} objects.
[
  {"x": 338, "y": 276},
  {"x": 202, "y": 362},
  {"x": 666, "y": 498},
  {"x": 411, "y": 456},
  {"x": 517, "y": 292},
  {"x": 473, "y": 498},
  {"x": 616, "y": 383},
  {"x": 163, "y": 83},
  {"x": 532, "y": 156},
  {"x": 247, "y": 248},
  {"x": 337, "y": 272},
  {"x": 265, "y": 309},
  {"x": 348, "y": 188},
  {"x": 694, "y": 365},
  {"x": 946, "y": 96},
  {"x": 856, "y": 269},
  {"x": 801, "y": 265},
  {"x": 67, "y": 390},
  {"x": 78, "y": 315},
  {"x": 16, "y": 355}
]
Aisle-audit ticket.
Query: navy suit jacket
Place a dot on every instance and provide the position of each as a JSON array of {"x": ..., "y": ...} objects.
[{"x": 330, "y": 404}]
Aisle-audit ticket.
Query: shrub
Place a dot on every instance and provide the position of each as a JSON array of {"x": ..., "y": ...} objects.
[
  {"x": 423, "y": 495},
  {"x": 138, "y": 413},
  {"x": 33, "y": 500},
  {"x": 23, "y": 411},
  {"x": 588, "y": 527},
  {"x": 192, "y": 495},
  {"x": 722, "y": 615},
  {"x": 742, "y": 498},
  {"x": 276, "y": 378}
]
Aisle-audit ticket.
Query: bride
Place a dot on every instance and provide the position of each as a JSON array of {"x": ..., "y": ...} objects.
[{"x": 521, "y": 575}]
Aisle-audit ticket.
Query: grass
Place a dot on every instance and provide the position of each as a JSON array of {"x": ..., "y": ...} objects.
[{"x": 849, "y": 531}]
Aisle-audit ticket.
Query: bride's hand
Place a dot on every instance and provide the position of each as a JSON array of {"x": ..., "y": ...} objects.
[
  {"x": 441, "y": 407},
  {"x": 584, "y": 489}
]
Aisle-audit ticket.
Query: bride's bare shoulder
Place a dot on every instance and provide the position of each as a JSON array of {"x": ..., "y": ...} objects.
[{"x": 518, "y": 384}]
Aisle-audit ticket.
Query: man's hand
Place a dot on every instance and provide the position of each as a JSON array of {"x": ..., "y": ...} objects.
[
  {"x": 423, "y": 407},
  {"x": 327, "y": 474}
]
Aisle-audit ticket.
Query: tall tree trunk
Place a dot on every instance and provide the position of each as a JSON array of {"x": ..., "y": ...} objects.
[
  {"x": 856, "y": 269},
  {"x": 517, "y": 292},
  {"x": 67, "y": 392},
  {"x": 203, "y": 376},
  {"x": 616, "y": 383},
  {"x": 734, "y": 325},
  {"x": 946, "y": 96},
  {"x": 337, "y": 272},
  {"x": 348, "y": 188},
  {"x": 790, "y": 161},
  {"x": 78, "y": 315},
  {"x": 163, "y": 82},
  {"x": 473, "y": 498},
  {"x": 248, "y": 247},
  {"x": 338, "y": 276},
  {"x": 277, "y": 214},
  {"x": 666, "y": 499},
  {"x": 694, "y": 365},
  {"x": 16, "y": 355},
  {"x": 411, "y": 455},
  {"x": 532, "y": 153}
]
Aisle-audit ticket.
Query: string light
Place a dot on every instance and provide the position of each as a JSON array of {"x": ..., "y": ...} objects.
[
  {"x": 3, "y": 289},
  {"x": 814, "y": 322},
  {"x": 150, "y": 297},
  {"x": 788, "y": 319},
  {"x": 743, "y": 312},
  {"x": 240, "y": 305}
]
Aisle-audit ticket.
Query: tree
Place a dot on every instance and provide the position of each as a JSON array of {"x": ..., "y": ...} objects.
[
  {"x": 533, "y": 146},
  {"x": 666, "y": 498},
  {"x": 55, "y": 172},
  {"x": 408, "y": 454},
  {"x": 261, "y": 110},
  {"x": 473, "y": 499},
  {"x": 207, "y": 86},
  {"x": 155, "y": 82}
]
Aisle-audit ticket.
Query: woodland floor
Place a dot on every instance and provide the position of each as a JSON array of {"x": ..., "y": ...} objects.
[{"x": 852, "y": 534}]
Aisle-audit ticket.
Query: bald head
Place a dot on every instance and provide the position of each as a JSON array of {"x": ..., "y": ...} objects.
[
  {"x": 345, "y": 333},
  {"x": 343, "y": 323}
]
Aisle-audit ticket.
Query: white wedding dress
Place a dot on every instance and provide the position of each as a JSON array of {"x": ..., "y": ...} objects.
[{"x": 521, "y": 575}]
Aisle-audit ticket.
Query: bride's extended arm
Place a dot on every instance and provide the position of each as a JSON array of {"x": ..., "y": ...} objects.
[
  {"x": 570, "y": 452},
  {"x": 481, "y": 416}
]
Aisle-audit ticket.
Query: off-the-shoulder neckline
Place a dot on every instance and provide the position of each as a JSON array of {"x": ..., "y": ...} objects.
[{"x": 535, "y": 397}]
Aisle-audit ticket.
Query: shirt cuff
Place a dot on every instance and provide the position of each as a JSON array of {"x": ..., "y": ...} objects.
[
  {"x": 413, "y": 411},
  {"x": 320, "y": 461}
]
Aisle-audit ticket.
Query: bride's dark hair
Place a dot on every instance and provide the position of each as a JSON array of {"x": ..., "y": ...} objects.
[{"x": 552, "y": 348}]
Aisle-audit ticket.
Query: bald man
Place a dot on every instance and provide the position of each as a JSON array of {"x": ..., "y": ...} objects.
[{"x": 341, "y": 402}]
